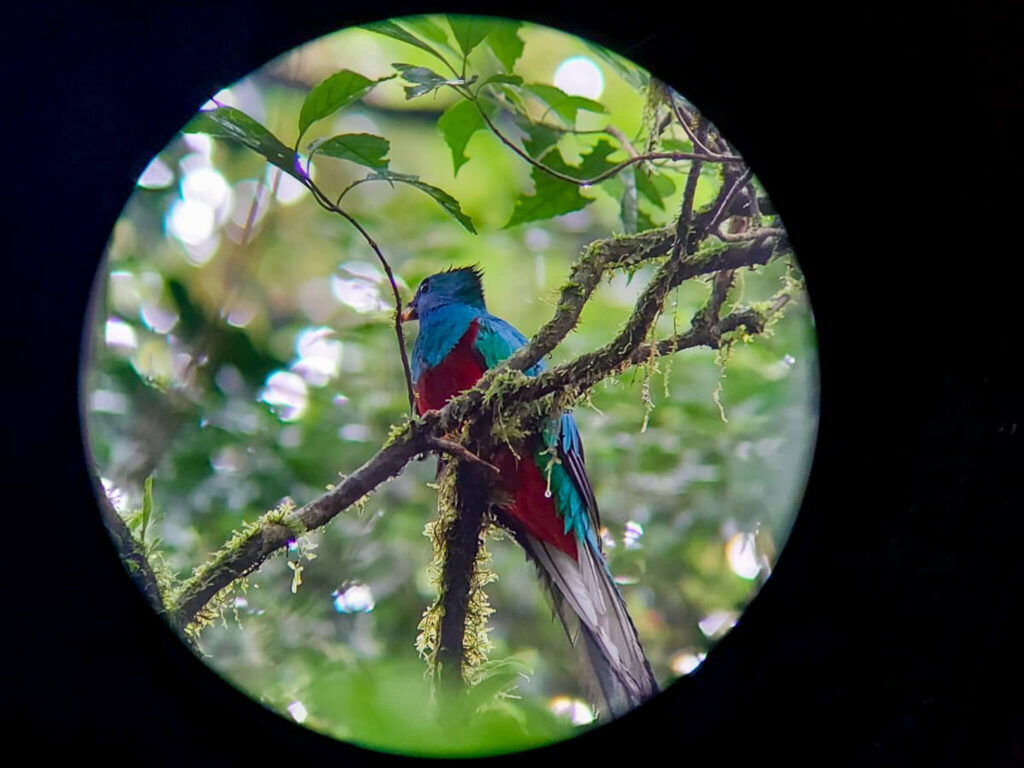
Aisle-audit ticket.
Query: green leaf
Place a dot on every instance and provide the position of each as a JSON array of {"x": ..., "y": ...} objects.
[
  {"x": 664, "y": 184},
  {"x": 643, "y": 223},
  {"x": 337, "y": 91},
  {"x": 595, "y": 162},
  {"x": 426, "y": 80},
  {"x": 539, "y": 138},
  {"x": 147, "y": 506},
  {"x": 676, "y": 145},
  {"x": 469, "y": 31},
  {"x": 446, "y": 201},
  {"x": 655, "y": 187},
  {"x": 500, "y": 78},
  {"x": 505, "y": 43},
  {"x": 554, "y": 197},
  {"x": 628, "y": 202},
  {"x": 392, "y": 30},
  {"x": 234, "y": 125},
  {"x": 427, "y": 28},
  {"x": 636, "y": 77},
  {"x": 458, "y": 124},
  {"x": 562, "y": 104},
  {"x": 363, "y": 148}
]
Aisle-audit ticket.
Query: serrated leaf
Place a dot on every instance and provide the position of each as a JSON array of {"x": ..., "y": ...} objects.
[
  {"x": 562, "y": 104},
  {"x": 553, "y": 196},
  {"x": 234, "y": 125},
  {"x": 392, "y": 30},
  {"x": 469, "y": 31},
  {"x": 446, "y": 201},
  {"x": 504, "y": 41},
  {"x": 458, "y": 124},
  {"x": 595, "y": 162},
  {"x": 333, "y": 93},
  {"x": 363, "y": 148}
]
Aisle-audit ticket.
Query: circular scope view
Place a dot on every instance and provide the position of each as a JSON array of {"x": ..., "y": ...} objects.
[{"x": 450, "y": 385}]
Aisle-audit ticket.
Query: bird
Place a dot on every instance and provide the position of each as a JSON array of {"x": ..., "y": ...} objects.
[{"x": 543, "y": 496}]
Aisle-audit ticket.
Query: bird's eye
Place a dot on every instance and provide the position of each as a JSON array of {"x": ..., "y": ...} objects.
[{"x": 425, "y": 286}]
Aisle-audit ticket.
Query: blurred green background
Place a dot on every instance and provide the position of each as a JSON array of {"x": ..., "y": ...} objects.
[{"x": 239, "y": 374}]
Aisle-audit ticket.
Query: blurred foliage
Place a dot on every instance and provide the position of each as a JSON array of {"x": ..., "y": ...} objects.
[{"x": 240, "y": 373}]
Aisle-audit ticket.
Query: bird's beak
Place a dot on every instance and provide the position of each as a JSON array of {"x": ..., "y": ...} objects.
[{"x": 409, "y": 313}]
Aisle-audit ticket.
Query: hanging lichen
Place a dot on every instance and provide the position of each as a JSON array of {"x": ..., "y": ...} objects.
[
  {"x": 722, "y": 356},
  {"x": 476, "y": 642},
  {"x": 430, "y": 624},
  {"x": 650, "y": 368},
  {"x": 214, "y": 608}
]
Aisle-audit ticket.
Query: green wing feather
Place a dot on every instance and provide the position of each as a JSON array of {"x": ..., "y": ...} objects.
[{"x": 496, "y": 340}]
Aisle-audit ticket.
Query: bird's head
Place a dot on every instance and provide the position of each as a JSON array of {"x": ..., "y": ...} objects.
[{"x": 453, "y": 286}]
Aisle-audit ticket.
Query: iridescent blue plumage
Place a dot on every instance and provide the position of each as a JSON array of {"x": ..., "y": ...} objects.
[{"x": 551, "y": 508}]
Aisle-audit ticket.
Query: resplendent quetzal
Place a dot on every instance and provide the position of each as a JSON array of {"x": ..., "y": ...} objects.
[{"x": 554, "y": 517}]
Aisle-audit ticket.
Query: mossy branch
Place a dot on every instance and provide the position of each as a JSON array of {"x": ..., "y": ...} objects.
[
  {"x": 133, "y": 554},
  {"x": 518, "y": 398}
]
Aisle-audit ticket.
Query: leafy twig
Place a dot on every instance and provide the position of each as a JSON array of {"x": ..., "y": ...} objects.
[
  {"x": 326, "y": 203},
  {"x": 611, "y": 171}
]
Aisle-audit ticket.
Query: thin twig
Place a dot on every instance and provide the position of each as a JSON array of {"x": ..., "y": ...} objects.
[
  {"x": 683, "y": 243},
  {"x": 325, "y": 203},
  {"x": 697, "y": 143},
  {"x": 624, "y": 142},
  {"x": 738, "y": 184},
  {"x": 611, "y": 171},
  {"x": 459, "y": 451},
  {"x": 132, "y": 553}
]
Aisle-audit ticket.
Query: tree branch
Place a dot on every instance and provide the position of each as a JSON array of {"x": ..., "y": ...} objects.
[
  {"x": 251, "y": 548},
  {"x": 242, "y": 557},
  {"x": 132, "y": 553}
]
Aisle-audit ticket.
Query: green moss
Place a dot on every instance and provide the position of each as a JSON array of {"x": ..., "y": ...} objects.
[
  {"x": 476, "y": 638},
  {"x": 401, "y": 430},
  {"x": 280, "y": 515}
]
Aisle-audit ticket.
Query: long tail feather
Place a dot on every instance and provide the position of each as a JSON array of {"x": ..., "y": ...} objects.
[{"x": 617, "y": 674}]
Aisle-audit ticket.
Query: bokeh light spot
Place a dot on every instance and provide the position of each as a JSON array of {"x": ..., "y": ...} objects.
[
  {"x": 580, "y": 76},
  {"x": 356, "y": 598},
  {"x": 741, "y": 552},
  {"x": 574, "y": 710},
  {"x": 157, "y": 175},
  {"x": 286, "y": 393}
]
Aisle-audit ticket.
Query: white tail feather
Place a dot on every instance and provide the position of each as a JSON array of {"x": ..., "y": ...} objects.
[{"x": 595, "y": 619}]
